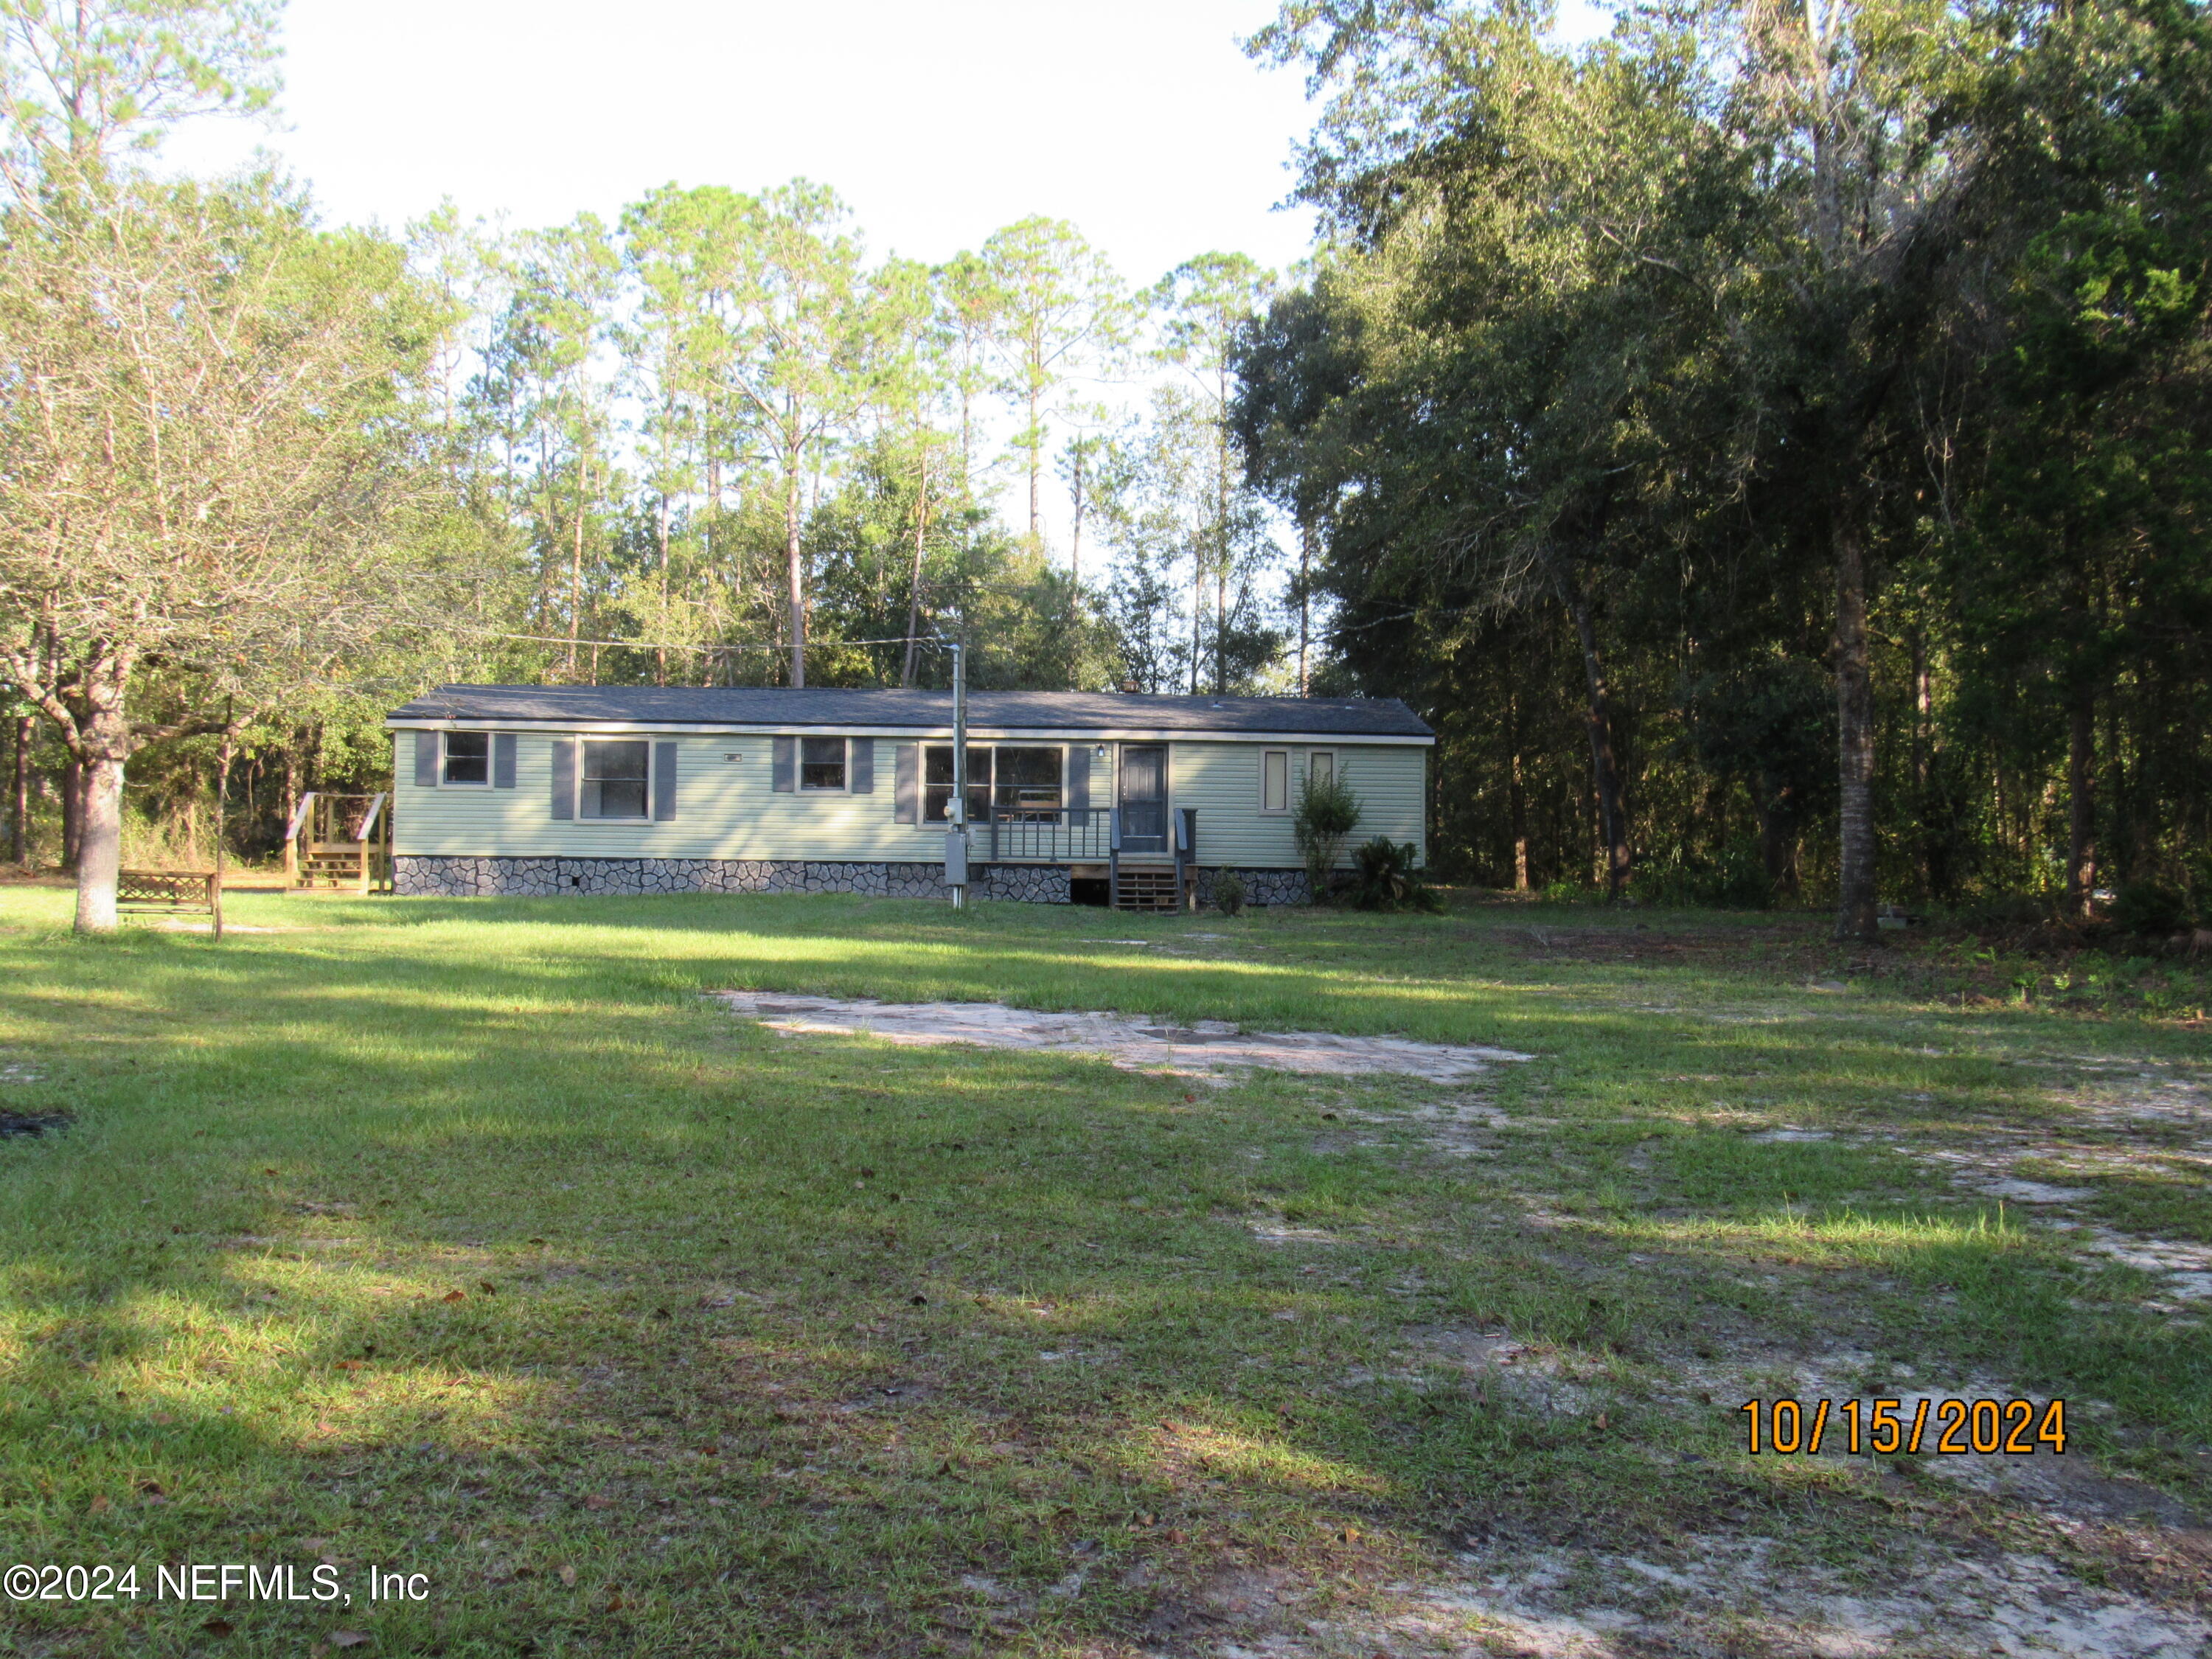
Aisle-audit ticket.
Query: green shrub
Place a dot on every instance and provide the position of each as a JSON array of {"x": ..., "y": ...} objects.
[
  {"x": 1327, "y": 814},
  {"x": 1733, "y": 878},
  {"x": 1387, "y": 879},
  {"x": 2146, "y": 907},
  {"x": 1229, "y": 893}
]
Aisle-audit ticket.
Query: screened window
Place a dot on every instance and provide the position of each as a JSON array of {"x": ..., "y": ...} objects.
[
  {"x": 1025, "y": 785},
  {"x": 937, "y": 784},
  {"x": 468, "y": 757},
  {"x": 822, "y": 763},
  {"x": 1016, "y": 784},
  {"x": 614, "y": 779},
  {"x": 1275, "y": 780},
  {"x": 1321, "y": 766}
]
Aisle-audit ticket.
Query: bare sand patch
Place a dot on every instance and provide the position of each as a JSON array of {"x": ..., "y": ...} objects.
[
  {"x": 1202, "y": 1050},
  {"x": 1711, "y": 1595}
]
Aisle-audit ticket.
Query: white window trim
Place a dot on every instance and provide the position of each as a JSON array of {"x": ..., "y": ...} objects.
[
  {"x": 1290, "y": 795},
  {"x": 445, "y": 781},
  {"x": 652, "y": 764},
  {"x": 806, "y": 789}
]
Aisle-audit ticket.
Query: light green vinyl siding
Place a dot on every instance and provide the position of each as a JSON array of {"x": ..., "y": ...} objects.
[
  {"x": 727, "y": 808},
  {"x": 1222, "y": 781}
]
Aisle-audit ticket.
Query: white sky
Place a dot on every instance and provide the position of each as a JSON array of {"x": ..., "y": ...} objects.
[{"x": 1142, "y": 122}]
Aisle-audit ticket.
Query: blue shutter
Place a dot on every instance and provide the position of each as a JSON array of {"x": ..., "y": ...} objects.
[
  {"x": 502, "y": 759},
  {"x": 564, "y": 777},
  {"x": 784, "y": 776},
  {"x": 861, "y": 766},
  {"x": 906, "y": 784},
  {"x": 1078, "y": 778},
  {"x": 664, "y": 782},
  {"x": 426, "y": 760}
]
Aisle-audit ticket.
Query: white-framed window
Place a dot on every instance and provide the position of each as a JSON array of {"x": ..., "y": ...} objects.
[
  {"x": 614, "y": 778},
  {"x": 467, "y": 758},
  {"x": 1320, "y": 765},
  {"x": 822, "y": 763},
  {"x": 1017, "y": 783},
  {"x": 1275, "y": 780}
]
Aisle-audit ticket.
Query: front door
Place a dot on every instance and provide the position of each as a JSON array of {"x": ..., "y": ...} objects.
[{"x": 1144, "y": 799}]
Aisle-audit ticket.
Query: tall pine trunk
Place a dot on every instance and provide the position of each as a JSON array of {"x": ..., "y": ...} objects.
[
  {"x": 794, "y": 569},
  {"x": 1605, "y": 771},
  {"x": 2082, "y": 810},
  {"x": 19, "y": 797},
  {"x": 1854, "y": 884},
  {"x": 913, "y": 584}
]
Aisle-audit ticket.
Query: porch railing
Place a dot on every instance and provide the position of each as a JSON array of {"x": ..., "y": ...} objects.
[{"x": 1051, "y": 835}]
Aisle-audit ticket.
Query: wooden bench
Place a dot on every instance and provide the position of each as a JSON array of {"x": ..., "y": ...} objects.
[{"x": 170, "y": 893}]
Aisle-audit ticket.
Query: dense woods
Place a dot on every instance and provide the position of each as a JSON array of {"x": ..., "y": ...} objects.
[{"x": 1770, "y": 444}]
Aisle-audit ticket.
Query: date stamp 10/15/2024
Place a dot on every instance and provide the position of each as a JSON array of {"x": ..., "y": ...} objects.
[{"x": 1950, "y": 1428}]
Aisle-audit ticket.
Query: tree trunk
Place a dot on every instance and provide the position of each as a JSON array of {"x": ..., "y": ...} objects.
[
  {"x": 2081, "y": 811},
  {"x": 1036, "y": 450},
  {"x": 1778, "y": 838},
  {"x": 19, "y": 798},
  {"x": 914, "y": 585},
  {"x": 795, "y": 571},
  {"x": 576, "y": 567},
  {"x": 1197, "y": 611},
  {"x": 72, "y": 814},
  {"x": 1305, "y": 596},
  {"x": 1605, "y": 774},
  {"x": 1517, "y": 815},
  {"x": 1855, "y": 895},
  {"x": 103, "y": 743}
]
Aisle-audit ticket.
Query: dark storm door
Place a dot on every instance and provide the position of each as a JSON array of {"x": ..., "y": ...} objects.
[{"x": 1144, "y": 799}]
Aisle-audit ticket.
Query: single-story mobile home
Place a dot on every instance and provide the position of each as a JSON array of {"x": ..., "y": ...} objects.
[{"x": 1131, "y": 799}]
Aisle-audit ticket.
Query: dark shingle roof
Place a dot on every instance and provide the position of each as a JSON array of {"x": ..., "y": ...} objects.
[{"x": 776, "y": 705}]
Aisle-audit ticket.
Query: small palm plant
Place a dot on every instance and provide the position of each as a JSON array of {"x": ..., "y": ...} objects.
[{"x": 1387, "y": 879}]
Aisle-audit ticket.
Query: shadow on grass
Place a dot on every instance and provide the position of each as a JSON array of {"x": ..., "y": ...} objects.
[{"x": 783, "y": 1341}]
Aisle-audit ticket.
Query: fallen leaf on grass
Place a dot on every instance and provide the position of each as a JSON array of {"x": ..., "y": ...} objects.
[
  {"x": 351, "y": 1364},
  {"x": 100, "y": 1504},
  {"x": 219, "y": 1627},
  {"x": 1600, "y": 1422},
  {"x": 348, "y": 1639},
  {"x": 487, "y": 1287},
  {"x": 596, "y": 1502},
  {"x": 569, "y": 1577},
  {"x": 456, "y": 1295}
]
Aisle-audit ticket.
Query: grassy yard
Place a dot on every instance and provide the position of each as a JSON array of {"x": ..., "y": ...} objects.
[{"x": 470, "y": 1240}]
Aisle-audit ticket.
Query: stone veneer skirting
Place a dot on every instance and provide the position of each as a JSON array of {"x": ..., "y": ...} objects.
[
  {"x": 438, "y": 875},
  {"x": 1260, "y": 887}
]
